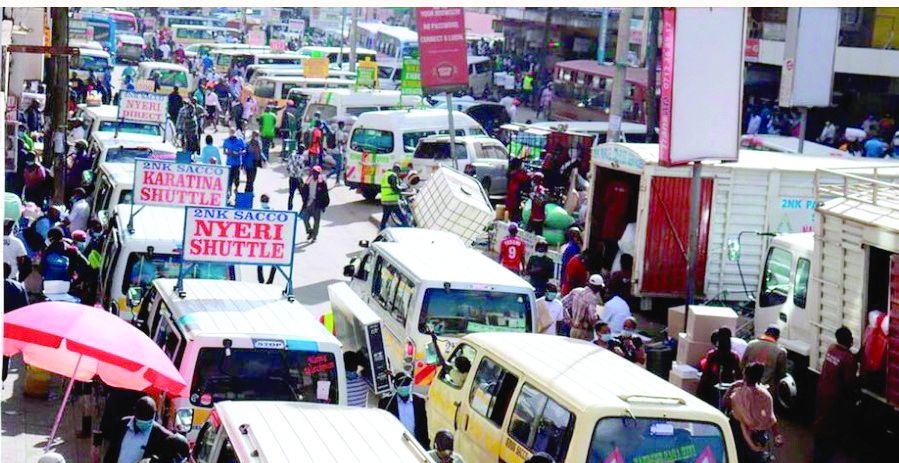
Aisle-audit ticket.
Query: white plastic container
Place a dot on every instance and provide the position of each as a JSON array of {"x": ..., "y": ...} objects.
[{"x": 453, "y": 202}]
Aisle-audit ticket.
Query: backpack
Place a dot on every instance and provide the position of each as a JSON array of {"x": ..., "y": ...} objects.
[{"x": 55, "y": 266}]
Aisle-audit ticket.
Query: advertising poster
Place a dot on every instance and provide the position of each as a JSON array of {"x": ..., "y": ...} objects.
[
  {"x": 245, "y": 236},
  {"x": 172, "y": 184},
  {"x": 442, "y": 48},
  {"x": 143, "y": 107}
]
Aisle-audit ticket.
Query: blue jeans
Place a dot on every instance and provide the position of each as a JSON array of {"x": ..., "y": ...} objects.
[
  {"x": 338, "y": 167},
  {"x": 392, "y": 209},
  {"x": 266, "y": 144}
]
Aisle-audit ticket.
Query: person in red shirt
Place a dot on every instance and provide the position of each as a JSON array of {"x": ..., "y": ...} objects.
[
  {"x": 576, "y": 274},
  {"x": 511, "y": 251},
  {"x": 315, "y": 145},
  {"x": 837, "y": 389},
  {"x": 539, "y": 197},
  {"x": 517, "y": 178}
]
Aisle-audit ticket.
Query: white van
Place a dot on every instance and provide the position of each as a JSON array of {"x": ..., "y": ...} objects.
[
  {"x": 480, "y": 70},
  {"x": 489, "y": 157},
  {"x": 90, "y": 60},
  {"x": 418, "y": 288},
  {"x": 234, "y": 340},
  {"x": 381, "y": 138},
  {"x": 344, "y": 103},
  {"x": 112, "y": 187},
  {"x": 105, "y": 118},
  {"x": 151, "y": 248},
  {"x": 126, "y": 148},
  {"x": 168, "y": 75},
  {"x": 268, "y": 89},
  {"x": 390, "y": 74},
  {"x": 283, "y": 432}
]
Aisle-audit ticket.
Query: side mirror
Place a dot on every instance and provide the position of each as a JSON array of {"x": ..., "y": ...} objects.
[
  {"x": 733, "y": 250},
  {"x": 431, "y": 354},
  {"x": 363, "y": 243},
  {"x": 349, "y": 270},
  {"x": 134, "y": 294}
]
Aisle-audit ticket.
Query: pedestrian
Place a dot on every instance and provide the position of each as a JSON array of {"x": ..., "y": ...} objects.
[
  {"x": 356, "y": 387},
  {"x": 721, "y": 367},
  {"x": 289, "y": 125},
  {"x": 249, "y": 110},
  {"x": 137, "y": 437},
  {"x": 237, "y": 113},
  {"x": 61, "y": 258},
  {"x": 33, "y": 117},
  {"x": 210, "y": 153},
  {"x": 14, "y": 297},
  {"x": 605, "y": 339},
  {"x": 755, "y": 123},
  {"x": 580, "y": 308},
  {"x": 632, "y": 347},
  {"x": 391, "y": 189},
  {"x": 546, "y": 101},
  {"x": 175, "y": 450},
  {"x": 575, "y": 274},
  {"x": 527, "y": 86},
  {"x": 37, "y": 179},
  {"x": 80, "y": 211},
  {"x": 516, "y": 177},
  {"x": 14, "y": 253},
  {"x": 616, "y": 310},
  {"x": 264, "y": 205},
  {"x": 548, "y": 311},
  {"x": 870, "y": 125},
  {"x": 409, "y": 408},
  {"x": 234, "y": 148},
  {"x": 79, "y": 161},
  {"x": 752, "y": 410},
  {"x": 294, "y": 174},
  {"x": 765, "y": 351},
  {"x": 175, "y": 102},
  {"x": 837, "y": 390},
  {"x": 572, "y": 246},
  {"x": 540, "y": 267},
  {"x": 828, "y": 134},
  {"x": 315, "y": 145},
  {"x": 213, "y": 107},
  {"x": 188, "y": 126},
  {"x": 539, "y": 197},
  {"x": 875, "y": 147},
  {"x": 267, "y": 122},
  {"x": 314, "y": 202},
  {"x": 340, "y": 138},
  {"x": 251, "y": 161},
  {"x": 443, "y": 448},
  {"x": 511, "y": 250}
]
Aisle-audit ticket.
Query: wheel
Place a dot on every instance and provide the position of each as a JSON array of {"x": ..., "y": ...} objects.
[
  {"x": 485, "y": 182},
  {"x": 369, "y": 194}
]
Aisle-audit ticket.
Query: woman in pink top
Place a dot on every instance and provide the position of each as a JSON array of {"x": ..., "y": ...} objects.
[{"x": 752, "y": 415}]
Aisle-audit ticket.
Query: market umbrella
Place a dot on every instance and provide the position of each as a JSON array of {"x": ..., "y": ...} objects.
[{"x": 80, "y": 342}]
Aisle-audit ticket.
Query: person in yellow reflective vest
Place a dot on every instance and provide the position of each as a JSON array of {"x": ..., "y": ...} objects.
[
  {"x": 527, "y": 85},
  {"x": 390, "y": 196}
]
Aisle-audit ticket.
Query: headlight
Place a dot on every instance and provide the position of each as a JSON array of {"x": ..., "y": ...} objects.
[{"x": 184, "y": 420}]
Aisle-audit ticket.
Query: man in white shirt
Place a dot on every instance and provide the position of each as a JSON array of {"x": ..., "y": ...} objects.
[
  {"x": 549, "y": 310},
  {"x": 81, "y": 211},
  {"x": 77, "y": 132},
  {"x": 14, "y": 251},
  {"x": 166, "y": 50},
  {"x": 616, "y": 309}
]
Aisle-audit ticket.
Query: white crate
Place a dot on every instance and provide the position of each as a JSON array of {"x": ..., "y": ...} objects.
[{"x": 453, "y": 202}]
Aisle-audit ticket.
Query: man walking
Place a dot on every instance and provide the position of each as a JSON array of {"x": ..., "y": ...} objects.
[
  {"x": 836, "y": 396},
  {"x": 390, "y": 196},
  {"x": 315, "y": 200},
  {"x": 175, "y": 102},
  {"x": 540, "y": 267},
  {"x": 188, "y": 126},
  {"x": 234, "y": 148},
  {"x": 409, "y": 408},
  {"x": 511, "y": 251},
  {"x": 252, "y": 160},
  {"x": 765, "y": 350},
  {"x": 580, "y": 308},
  {"x": 294, "y": 174},
  {"x": 137, "y": 437},
  {"x": 267, "y": 121}
]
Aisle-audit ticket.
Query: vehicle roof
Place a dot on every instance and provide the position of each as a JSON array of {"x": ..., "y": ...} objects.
[
  {"x": 444, "y": 138},
  {"x": 591, "y": 127},
  {"x": 477, "y": 59},
  {"x": 154, "y": 142},
  {"x": 93, "y": 52},
  {"x": 367, "y": 51},
  {"x": 402, "y": 33},
  {"x": 130, "y": 38},
  {"x": 430, "y": 263},
  {"x": 223, "y": 307},
  {"x": 785, "y": 144},
  {"x": 581, "y": 372},
  {"x": 797, "y": 240},
  {"x": 153, "y": 225},
  {"x": 362, "y": 97},
  {"x": 288, "y": 79},
  {"x": 103, "y": 111},
  {"x": 421, "y": 236},
  {"x": 162, "y": 65},
  {"x": 295, "y": 431},
  {"x": 634, "y": 75},
  {"x": 197, "y": 26},
  {"x": 121, "y": 173},
  {"x": 413, "y": 118}
]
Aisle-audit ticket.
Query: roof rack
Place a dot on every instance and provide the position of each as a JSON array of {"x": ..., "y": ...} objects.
[
  {"x": 632, "y": 398},
  {"x": 877, "y": 186},
  {"x": 253, "y": 441}
]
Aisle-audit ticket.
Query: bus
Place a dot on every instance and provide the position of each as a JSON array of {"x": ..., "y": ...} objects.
[
  {"x": 94, "y": 26},
  {"x": 331, "y": 53},
  {"x": 174, "y": 20},
  {"x": 395, "y": 43},
  {"x": 583, "y": 90},
  {"x": 367, "y": 33},
  {"x": 187, "y": 35},
  {"x": 125, "y": 22}
]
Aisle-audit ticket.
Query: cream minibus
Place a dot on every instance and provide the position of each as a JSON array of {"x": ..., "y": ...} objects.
[
  {"x": 283, "y": 432},
  {"x": 529, "y": 393},
  {"x": 235, "y": 340},
  {"x": 419, "y": 288},
  {"x": 113, "y": 186},
  {"x": 224, "y": 59},
  {"x": 168, "y": 75},
  {"x": 340, "y": 103},
  {"x": 275, "y": 89},
  {"x": 188, "y": 34},
  {"x": 151, "y": 248}
]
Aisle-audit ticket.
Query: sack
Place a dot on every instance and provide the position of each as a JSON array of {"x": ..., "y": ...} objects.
[{"x": 55, "y": 266}]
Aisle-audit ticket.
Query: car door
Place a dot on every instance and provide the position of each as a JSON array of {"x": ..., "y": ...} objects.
[
  {"x": 538, "y": 423},
  {"x": 446, "y": 393},
  {"x": 492, "y": 163},
  {"x": 482, "y": 415}
]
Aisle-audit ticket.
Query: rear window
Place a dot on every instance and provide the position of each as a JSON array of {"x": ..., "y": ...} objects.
[
  {"x": 377, "y": 141},
  {"x": 460, "y": 311},
  {"x": 439, "y": 151},
  {"x": 264, "y": 374},
  {"x": 171, "y": 78},
  {"x": 141, "y": 269},
  {"x": 645, "y": 440},
  {"x": 359, "y": 110},
  {"x": 264, "y": 89},
  {"x": 327, "y": 111},
  {"x": 131, "y": 127}
]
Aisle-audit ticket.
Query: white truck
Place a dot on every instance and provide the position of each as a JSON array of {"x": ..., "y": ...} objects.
[{"x": 813, "y": 283}]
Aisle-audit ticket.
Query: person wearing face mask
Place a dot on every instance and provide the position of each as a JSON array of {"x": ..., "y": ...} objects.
[
  {"x": 539, "y": 268},
  {"x": 615, "y": 310},
  {"x": 138, "y": 436},
  {"x": 409, "y": 408},
  {"x": 631, "y": 344},
  {"x": 443, "y": 448},
  {"x": 549, "y": 309}
]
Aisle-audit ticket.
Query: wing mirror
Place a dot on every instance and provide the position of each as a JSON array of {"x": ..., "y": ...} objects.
[{"x": 733, "y": 250}]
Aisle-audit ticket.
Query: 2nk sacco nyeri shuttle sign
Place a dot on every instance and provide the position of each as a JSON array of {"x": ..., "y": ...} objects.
[
  {"x": 172, "y": 184},
  {"x": 239, "y": 236}
]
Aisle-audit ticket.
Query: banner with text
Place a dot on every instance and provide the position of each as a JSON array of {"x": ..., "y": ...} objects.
[
  {"x": 167, "y": 183},
  {"x": 245, "y": 236},
  {"x": 143, "y": 107},
  {"x": 367, "y": 74},
  {"x": 410, "y": 83},
  {"x": 316, "y": 68},
  {"x": 442, "y": 48}
]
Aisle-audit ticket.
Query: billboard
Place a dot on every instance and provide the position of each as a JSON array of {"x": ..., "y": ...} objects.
[
  {"x": 442, "y": 48},
  {"x": 168, "y": 183},
  {"x": 806, "y": 77},
  {"x": 701, "y": 84},
  {"x": 239, "y": 236},
  {"x": 143, "y": 107}
]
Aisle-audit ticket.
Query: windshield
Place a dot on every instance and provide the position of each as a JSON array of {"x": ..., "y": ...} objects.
[
  {"x": 130, "y": 127},
  {"x": 460, "y": 311},
  {"x": 124, "y": 26},
  {"x": 327, "y": 111},
  {"x": 264, "y": 374},
  {"x": 91, "y": 63},
  {"x": 142, "y": 269},
  {"x": 378, "y": 141},
  {"x": 776, "y": 285},
  {"x": 297, "y": 61},
  {"x": 649, "y": 440},
  {"x": 130, "y": 154},
  {"x": 101, "y": 31},
  {"x": 171, "y": 78}
]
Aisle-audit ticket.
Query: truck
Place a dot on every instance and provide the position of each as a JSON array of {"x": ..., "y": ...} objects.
[
  {"x": 632, "y": 196},
  {"x": 848, "y": 267}
]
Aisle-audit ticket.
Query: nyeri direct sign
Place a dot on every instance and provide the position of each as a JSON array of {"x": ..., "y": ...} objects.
[
  {"x": 168, "y": 183},
  {"x": 244, "y": 236}
]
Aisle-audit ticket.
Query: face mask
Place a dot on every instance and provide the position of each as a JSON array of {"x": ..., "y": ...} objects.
[
  {"x": 540, "y": 253},
  {"x": 404, "y": 391},
  {"x": 627, "y": 333},
  {"x": 550, "y": 296},
  {"x": 265, "y": 206},
  {"x": 605, "y": 337},
  {"x": 143, "y": 425},
  {"x": 81, "y": 246}
]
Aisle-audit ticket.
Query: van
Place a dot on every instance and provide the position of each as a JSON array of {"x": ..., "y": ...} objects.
[
  {"x": 346, "y": 103},
  {"x": 480, "y": 70},
  {"x": 89, "y": 61},
  {"x": 130, "y": 49},
  {"x": 235, "y": 340},
  {"x": 275, "y": 89},
  {"x": 529, "y": 393},
  {"x": 282, "y": 432},
  {"x": 381, "y": 138},
  {"x": 256, "y": 71},
  {"x": 113, "y": 186},
  {"x": 419, "y": 288},
  {"x": 126, "y": 148},
  {"x": 105, "y": 118},
  {"x": 390, "y": 74},
  {"x": 489, "y": 157},
  {"x": 168, "y": 75},
  {"x": 136, "y": 253}
]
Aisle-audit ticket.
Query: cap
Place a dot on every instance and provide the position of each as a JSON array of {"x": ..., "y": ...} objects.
[
  {"x": 773, "y": 330},
  {"x": 79, "y": 235},
  {"x": 513, "y": 227},
  {"x": 596, "y": 280},
  {"x": 317, "y": 169}
]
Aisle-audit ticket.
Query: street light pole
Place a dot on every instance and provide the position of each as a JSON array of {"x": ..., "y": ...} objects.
[
  {"x": 354, "y": 37},
  {"x": 57, "y": 103},
  {"x": 621, "y": 50}
]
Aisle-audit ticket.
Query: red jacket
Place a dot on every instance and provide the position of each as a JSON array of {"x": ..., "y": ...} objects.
[
  {"x": 836, "y": 386},
  {"x": 575, "y": 275}
]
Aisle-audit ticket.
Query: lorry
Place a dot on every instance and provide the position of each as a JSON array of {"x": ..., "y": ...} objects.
[
  {"x": 632, "y": 196},
  {"x": 813, "y": 283}
]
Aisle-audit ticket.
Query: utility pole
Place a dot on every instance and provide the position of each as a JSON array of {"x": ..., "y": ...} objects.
[
  {"x": 652, "y": 105},
  {"x": 621, "y": 51},
  {"x": 342, "y": 27},
  {"x": 354, "y": 37},
  {"x": 545, "y": 49},
  {"x": 601, "y": 39},
  {"x": 57, "y": 103}
]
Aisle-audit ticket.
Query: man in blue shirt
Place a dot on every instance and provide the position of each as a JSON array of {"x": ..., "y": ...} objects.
[
  {"x": 875, "y": 148},
  {"x": 137, "y": 437},
  {"x": 234, "y": 149},
  {"x": 210, "y": 154}
]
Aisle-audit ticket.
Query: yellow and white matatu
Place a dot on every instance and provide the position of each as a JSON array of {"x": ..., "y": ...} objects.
[
  {"x": 239, "y": 341},
  {"x": 528, "y": 393}
]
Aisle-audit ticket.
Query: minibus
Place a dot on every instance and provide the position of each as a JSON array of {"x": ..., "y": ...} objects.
[
  {"x": 332, "y": 53},
  {"x": 113, "y": 186},
  {"x": 168, "y": 75},
  {"x": 275, "y": 89}
]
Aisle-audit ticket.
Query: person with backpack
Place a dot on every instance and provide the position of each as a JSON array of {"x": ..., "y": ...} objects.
[{"x": 61, "y": 259}]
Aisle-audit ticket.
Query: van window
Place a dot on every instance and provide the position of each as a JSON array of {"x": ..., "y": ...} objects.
[
  {"x": 168, "y": 338},
  {"x": 459, "y": 311},
  {"x": 128, "y": 155},
  {"x": 393, "y": 289},
  {"x": 459, "y": 132},
  {"x": 482, "y": 67},
  {"x": 205, "y": 442},
  {"x": 656, "y": 439},
  {"x": 439, "y": 151},
  {"x": 111, "y": 253},
  {"x": 776, "y": 284},
  {"x": 265, "y": 89},
  {"x": 541, "y": 424},
  {"x": 359, "y": 110},
  {"x": 263, "y": 374},
  {"x": 172, "y": 78},
  {"x": 143, "y": 314},
  {"x": 450, "y": 375},
  {"x": 492, "y": 390},
  {"x": 227, "y": 455},
  {"x": 410, "y": 139},
  {"x": 378, "y": 141},
  {"x": 800, "y": 284},
  {"x": 140, "y": 269},
  {"x": 131, "y": 127},
  {"x": 327, "y": 111}
]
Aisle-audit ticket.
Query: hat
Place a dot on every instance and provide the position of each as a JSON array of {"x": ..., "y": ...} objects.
[
  {"x": 317, "y": 169},
  {"x": 596, "y": 280},
  {"x": 79, "y": 235}
]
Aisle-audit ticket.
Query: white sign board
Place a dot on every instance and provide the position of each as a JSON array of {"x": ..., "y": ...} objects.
[
  {"x": 239, "y": 236},
  {"x": 143, "y": 107},
  {"x": 806, "y": 77},
  {"x": 326, "y": 18},
  {"x": 168, "y": 183},
  {"x": 296, "y": 25}
]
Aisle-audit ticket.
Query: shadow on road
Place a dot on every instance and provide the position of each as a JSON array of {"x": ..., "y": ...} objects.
[{"x": 315, "y": 293}]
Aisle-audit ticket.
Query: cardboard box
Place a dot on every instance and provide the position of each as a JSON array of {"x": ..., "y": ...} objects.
[
  {"x": 675, "y": 320},
  {"x": 703, "y": 320},
  {"x": 690, "y": 351},
  {"x": 684, "y": 377}
]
